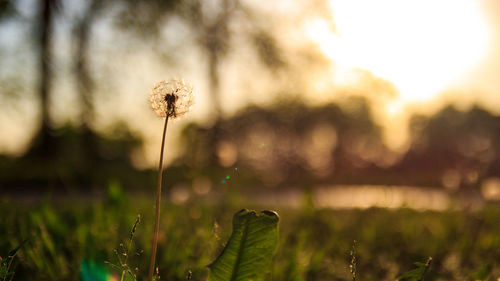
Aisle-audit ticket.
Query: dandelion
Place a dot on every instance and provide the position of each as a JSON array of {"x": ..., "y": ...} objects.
[{"x": 170, "y": 99}]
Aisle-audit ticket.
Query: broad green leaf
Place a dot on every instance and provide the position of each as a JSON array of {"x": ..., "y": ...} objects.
[{"x": 250, "y": 249}]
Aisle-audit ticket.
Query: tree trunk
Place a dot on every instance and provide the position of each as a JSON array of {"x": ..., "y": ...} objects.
[
  {"x": 43, "y": 144},
  {"x": 84, "y": 79},
  {"x": 85, "y": 83}
]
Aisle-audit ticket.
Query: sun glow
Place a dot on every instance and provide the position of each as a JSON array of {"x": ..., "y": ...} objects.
[{"x": 420, "y": 46}]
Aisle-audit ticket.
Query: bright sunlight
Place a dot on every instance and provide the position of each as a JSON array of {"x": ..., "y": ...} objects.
[{"x": 420, "y": 46}]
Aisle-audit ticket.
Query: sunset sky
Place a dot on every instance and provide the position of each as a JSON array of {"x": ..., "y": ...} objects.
[
  {"x": 433, "y": 52},
  {"x": 404, "y": 56}
]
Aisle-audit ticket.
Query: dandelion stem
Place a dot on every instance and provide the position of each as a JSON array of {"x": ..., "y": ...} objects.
[{"x": 158, "y": 198}]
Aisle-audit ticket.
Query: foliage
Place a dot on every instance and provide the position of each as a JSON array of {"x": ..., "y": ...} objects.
[
  {"x": 417, "y": 274},
  {"x": 250, "y": 249},
  {"x": 352, "y": 264},
  {"x": 314, "y": 244},
  {"x": 6, "y": 264}
]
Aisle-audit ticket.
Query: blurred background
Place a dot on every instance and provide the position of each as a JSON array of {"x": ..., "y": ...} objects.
[
  {"x": 375, "y": 121},
  {"x": 299, "y": 95}
]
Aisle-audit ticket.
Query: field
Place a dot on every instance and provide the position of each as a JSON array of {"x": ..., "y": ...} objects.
[
  {"x": 314, "y": 244},
  {"x": 371, "y": 128}
]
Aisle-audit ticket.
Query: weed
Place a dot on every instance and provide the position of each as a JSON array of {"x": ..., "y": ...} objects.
[
  {"x": 123, "y": 253},
  {"x": 169, "y": 99},
  {"x": 6, "y": 264},
  {"x": 417, "y": 274},
  {"x": 352, "y": 263}
]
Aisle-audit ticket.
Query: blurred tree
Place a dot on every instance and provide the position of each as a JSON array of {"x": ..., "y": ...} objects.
[
  {"x": 290, "y": 143},
  {"x": 210, "y": 21},
  {"x": 43, "y": 144},
  {"x": 85, "y": 83},
  {"x": 212, "y": 24},
  {"x": 69, "y": 154},
  {"x": 6, "y": 9},
  {"x": 214, "y": 38},
  {"x": 453, "y": 148},
  {"x": 10, "y": 84},
  {"x": 145, "y": 17}
]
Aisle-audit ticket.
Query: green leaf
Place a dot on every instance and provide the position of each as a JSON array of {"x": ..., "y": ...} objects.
[
  {"x": 418, "y": 273},
  {"x": 250, "y": 250}
]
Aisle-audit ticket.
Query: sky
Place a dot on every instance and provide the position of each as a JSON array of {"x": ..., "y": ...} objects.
[
  {"x": 404, "y": 56},
  {"x": 432, "y": 52}
]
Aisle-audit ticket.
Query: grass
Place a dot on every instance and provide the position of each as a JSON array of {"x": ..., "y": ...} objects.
[{"x": 314, "y": 244}]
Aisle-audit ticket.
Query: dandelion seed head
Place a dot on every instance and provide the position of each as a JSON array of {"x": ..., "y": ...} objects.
[{"x": 171, "y": 98}]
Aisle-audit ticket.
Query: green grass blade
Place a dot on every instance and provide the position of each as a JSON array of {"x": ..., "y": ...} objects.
[
  {"x": 250, "y": 250},
  {"x": 14, "y": 251},
  {"x": 417, "y": 274}
]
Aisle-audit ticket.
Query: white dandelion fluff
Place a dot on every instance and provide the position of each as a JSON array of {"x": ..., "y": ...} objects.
[{"x": 171, "y": 98}]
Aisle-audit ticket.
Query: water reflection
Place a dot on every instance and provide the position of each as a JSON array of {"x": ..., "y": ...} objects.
[
  {"x": 382, "y": 196},
  {"x": 392, "y": 197}
]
